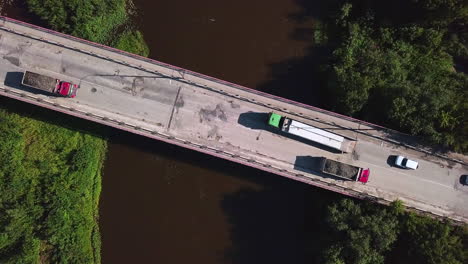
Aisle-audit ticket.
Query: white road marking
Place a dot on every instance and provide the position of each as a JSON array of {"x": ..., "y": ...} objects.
[
  {"x": 115, "y": 102},
  {"x": 419, "y": 178}
]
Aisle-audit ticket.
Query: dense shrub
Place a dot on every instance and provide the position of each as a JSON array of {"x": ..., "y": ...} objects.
[
  {"x": 403, "y": 70},
  {"x": 102, "y": 21},
  {"x": 49, "y": 191}
]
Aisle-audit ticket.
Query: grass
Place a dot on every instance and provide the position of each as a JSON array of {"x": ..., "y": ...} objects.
[
  {"x": 50, "y": 181},
  {"x": 50, "y": 175}
]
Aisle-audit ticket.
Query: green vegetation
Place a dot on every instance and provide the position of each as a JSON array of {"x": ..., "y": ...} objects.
[
  {"x": 132, "y": 41},
  {"x": 50, "y": 178},
  {"x": 402, "y": 68},
  {"x": 433, "y": 242},
  {"x": 102, "y": 21},
  {"x": 367, "y": 233},
  {"x": 50, "y": 184},
  {"x": 405, "y": 68},
  {"x": 361, "y": 233}
]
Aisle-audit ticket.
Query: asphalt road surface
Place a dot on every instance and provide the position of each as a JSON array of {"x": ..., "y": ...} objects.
[{"x": 171, "y": 104}]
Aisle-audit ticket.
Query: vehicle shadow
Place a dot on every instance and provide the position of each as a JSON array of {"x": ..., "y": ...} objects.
[
  {"x": 391, "y": 160},
  {"x": 255, "y": 120},
  {"x": 13, "y": 80},
  {"x": 463, "y": 180}
]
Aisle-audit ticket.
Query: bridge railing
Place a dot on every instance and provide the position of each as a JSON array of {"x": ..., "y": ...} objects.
[
  {"x": 375, "y": 127},
  {"x": 136, "y": 129}
]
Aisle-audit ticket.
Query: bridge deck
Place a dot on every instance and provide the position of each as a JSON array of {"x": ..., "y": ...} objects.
[{"x": 221, "y": 119}]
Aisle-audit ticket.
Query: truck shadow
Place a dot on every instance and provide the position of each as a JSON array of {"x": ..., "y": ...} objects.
[
  {"x": 311, "y": 165},
  {"x": 259, "y": 121},
  {"x": 391, "y": 160},
  {"x": 254, "y": 120},
  {"x": 463, "y": 179},
  {"x": 13, "y": 80}
]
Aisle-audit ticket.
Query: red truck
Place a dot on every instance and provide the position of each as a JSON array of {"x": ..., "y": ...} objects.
[{"x": 49, "y": 84}]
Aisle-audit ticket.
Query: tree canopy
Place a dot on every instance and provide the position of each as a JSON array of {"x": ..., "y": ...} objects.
[
  {"x": 361, "y": 233},
  {"x": 102, "y": 21},
  {"x": 434, "y": 242},
  {"x": 408, "y": 75}
]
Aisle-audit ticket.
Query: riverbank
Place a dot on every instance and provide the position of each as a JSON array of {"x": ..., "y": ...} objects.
[
  {"x": 50, "y": 173},
  {"x": 105, "y": 22},
  {"x": 175, "y": 203},
  {"x": 399, "y": 68},
  {"x": 50, "y": 180}
]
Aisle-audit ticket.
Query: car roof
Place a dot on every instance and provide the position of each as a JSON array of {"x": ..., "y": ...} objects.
[
  {"x": 399, "y": 159},
  {"x": 411, "y": 164}
]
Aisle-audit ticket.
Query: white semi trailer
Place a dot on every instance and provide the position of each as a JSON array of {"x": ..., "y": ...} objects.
[{"x": 311, "y": 133}]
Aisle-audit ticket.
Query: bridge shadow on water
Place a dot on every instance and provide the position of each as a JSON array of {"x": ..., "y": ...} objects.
[
  {"x": 283, "y": 223},
  {"x": 280, "y": 221},
  {"x": 272, "y": 220}
]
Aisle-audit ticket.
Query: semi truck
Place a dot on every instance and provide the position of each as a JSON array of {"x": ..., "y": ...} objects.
[
  {"x": 311, "y": 133},
  {"x": 344, "y": 171},
  {"x": 49, "y": 84}
]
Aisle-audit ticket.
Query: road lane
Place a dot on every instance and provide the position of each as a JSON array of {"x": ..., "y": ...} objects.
[{"x": 232, "y": 120}]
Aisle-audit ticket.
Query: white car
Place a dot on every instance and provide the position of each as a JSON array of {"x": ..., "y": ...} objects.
[{"x": 406, "y": 163}]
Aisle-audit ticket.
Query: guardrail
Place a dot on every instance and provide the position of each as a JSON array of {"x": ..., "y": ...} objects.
[
  {"x": 232, "y": 85},
  {"x": 132, "y": 128}
]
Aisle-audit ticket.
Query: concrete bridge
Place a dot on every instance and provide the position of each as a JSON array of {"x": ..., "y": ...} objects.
[{"x": 225, "y": 120}]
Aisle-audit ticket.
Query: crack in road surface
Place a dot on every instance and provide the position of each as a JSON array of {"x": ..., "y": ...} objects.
[{"x": 174, "y": 107}]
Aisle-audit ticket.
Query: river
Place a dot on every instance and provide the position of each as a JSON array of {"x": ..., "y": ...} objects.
[{"x": 165, "y": 204}]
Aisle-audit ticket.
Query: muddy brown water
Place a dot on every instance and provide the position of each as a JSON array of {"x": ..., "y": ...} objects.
[
  {"x": 164, "y": 204},
  {"x": 161, "y": 204}
]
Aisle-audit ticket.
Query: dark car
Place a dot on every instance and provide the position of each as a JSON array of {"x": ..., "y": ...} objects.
[{"x": 464, "y": 179}]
